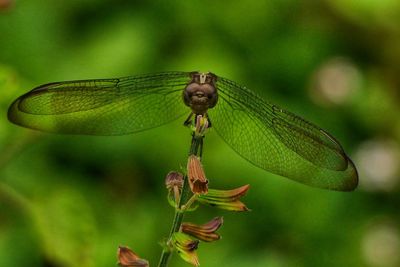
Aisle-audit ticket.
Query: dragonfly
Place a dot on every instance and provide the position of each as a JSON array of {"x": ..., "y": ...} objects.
[{"x": 264, "y": 134}]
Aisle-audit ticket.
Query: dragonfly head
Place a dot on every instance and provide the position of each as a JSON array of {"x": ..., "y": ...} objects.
[{"x": 201, "y": 94}]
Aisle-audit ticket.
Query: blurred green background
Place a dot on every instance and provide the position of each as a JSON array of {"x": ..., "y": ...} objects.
[{"x": 71, "y": 200}]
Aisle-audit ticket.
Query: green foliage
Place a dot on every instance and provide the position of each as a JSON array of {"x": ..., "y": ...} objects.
[{"x": 71, "y": 200}]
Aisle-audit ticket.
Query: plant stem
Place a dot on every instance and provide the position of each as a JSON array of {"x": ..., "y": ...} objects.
[
  {"x": 195, "y": 148},
  {"x": 15, "y": 146},
  {"x": 12, "y": 197}
]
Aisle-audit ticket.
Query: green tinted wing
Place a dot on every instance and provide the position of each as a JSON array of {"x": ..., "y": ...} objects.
[
  {"x": 103, "y": 106},
  {"x": 279, "y": 141}
]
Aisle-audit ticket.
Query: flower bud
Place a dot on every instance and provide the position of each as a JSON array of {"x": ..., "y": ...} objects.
[
  {"x": 127, "y": 258},
  {"x": 174, "y": 179},
  {"x": 197, "y": 178},
  {"x": 201, "y": 125},
  {"x": 174, "y": 184}
]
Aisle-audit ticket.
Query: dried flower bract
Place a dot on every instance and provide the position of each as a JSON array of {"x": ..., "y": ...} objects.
[
  {"x": 205, "y": 232},
  {"x": 225, "y": 199},
  {"x": 128, "y": 258},
  {"x": 197, "y": 178},
  {"x": 186, "y": 247}
]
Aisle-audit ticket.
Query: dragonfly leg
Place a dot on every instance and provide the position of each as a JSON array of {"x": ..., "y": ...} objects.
[
  {"x": 209, "y": 121},
  {"x": 188, "y": 121}
]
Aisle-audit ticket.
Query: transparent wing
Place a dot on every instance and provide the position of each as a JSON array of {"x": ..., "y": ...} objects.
[
  {"x": 103, "y": 106},
  {"x": 279, "y": 141}
]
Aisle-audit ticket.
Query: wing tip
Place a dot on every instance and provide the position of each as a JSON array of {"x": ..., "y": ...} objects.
[
  {"x": 350, "y": 183},
  {"x": 12, "y": 112}
]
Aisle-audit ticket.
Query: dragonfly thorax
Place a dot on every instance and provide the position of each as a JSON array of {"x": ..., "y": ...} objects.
[{"x": 201, "y": 94}]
